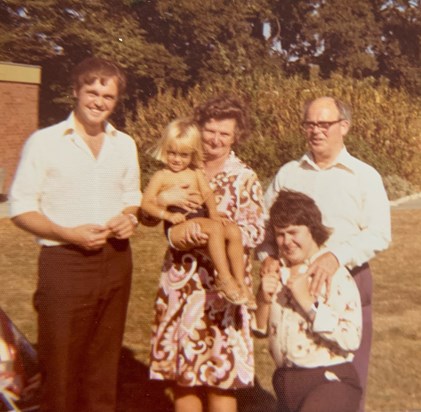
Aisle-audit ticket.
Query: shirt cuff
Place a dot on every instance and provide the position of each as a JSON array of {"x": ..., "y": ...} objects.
[
  {"x": 325, "y": 319},
  {"x": 262, "y": 255},
  {"x": 259, "y": 332},
  {"x": 264, "y": 250},
  {"x": 19, "y": 208}
]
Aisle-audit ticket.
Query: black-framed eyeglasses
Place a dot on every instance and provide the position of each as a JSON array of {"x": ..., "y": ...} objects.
[{"x": 307, "y": 125}]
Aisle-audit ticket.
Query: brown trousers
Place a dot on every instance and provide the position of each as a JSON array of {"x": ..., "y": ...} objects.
[
  {"x": 364, "y": 280},
  {"x": 308, "y": 389},
  {"x": 81, "y": 300}
]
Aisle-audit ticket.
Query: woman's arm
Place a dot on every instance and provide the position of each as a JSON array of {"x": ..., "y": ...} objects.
[
  {"x": 264, "y": 296},
  {"x": 180, "y": 195},
  {"x": 177, "y": 195}
]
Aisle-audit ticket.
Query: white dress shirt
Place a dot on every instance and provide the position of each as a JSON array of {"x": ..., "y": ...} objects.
[
  {"x": 59, "y": 177},
  {"x": 351, "y": 196}
]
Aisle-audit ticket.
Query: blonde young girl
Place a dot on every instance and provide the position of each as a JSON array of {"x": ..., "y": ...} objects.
[{"x": 180, "y": 149}]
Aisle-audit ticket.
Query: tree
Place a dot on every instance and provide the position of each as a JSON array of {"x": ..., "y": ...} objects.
[
  {"x": 336, "y": 36},
  {"x": 57, "y": 34},
  {"x": 214, "y": 38},
  {"x": 401, "y": 34}
]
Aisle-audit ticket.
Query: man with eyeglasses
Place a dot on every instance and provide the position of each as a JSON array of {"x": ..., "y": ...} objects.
[{"x": 354, "y": 204}]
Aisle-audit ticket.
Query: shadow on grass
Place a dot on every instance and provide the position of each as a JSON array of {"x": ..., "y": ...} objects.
[
  {"x": 137, "y": 393},
  {"x": 255, "y": 399}
]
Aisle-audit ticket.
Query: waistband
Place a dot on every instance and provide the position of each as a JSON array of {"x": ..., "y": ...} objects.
[
  {"x": 117, "y": 244},
  {"x": 357, "y": 269}
]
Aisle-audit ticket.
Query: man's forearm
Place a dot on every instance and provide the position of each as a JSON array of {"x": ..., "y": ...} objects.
[{"x": 39, "y": 225}]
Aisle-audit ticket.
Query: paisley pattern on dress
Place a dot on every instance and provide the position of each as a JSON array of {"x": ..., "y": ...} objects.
[{"x": 198, "y": 338}]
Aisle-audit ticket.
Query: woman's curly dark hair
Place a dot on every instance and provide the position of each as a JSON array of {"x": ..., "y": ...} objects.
[{"x": 295, "y": 208}]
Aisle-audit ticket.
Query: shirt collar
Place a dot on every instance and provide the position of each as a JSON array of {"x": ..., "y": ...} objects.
[
  {"x": 70, "y": 128},
  {"x": 284, "y": 270},
  {"x": 344, "y": 161}
]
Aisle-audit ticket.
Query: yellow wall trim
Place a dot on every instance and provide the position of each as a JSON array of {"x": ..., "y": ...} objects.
[{"x": 20, "y": 73}]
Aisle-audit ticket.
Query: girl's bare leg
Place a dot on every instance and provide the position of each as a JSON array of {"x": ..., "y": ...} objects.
[
  {"x": 187, "y": 399},
  {"x": 221, "y": 400},
  {"x": 235, "y": 252},
  {"x": 218, "y": 253}
]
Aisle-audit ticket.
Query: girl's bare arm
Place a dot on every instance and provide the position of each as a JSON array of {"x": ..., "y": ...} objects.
[{"x": 149, "y": 204}]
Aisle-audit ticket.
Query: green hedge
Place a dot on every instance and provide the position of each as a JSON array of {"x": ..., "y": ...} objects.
[{"x": 385, "y": 130}]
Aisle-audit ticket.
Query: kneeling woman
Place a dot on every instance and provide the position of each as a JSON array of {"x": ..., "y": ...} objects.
[{"x": 311, "y": 339}]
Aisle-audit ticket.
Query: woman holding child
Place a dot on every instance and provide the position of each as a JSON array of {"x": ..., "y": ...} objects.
[{"x": 201, "y": 341}]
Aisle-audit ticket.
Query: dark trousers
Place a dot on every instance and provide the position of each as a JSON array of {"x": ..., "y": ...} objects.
[
  {"x": 364, "y": 280},
  {"x": 81, "y": 301},
  {"x": 309, "y": 390}
]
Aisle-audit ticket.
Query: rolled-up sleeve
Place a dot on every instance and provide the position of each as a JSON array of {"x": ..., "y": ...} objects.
[
  {"x": 25, "y": 191},
  {"x": 132, "y": 195}
]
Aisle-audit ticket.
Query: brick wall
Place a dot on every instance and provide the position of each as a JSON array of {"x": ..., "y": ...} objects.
[{"x": 18, "y": 119}]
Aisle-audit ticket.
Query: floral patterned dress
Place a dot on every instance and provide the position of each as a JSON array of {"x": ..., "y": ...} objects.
[{"x": 199, "y": 338}]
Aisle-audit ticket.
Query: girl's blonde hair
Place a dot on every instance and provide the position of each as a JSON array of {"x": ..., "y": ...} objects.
[{"x": 181, "y": 134}]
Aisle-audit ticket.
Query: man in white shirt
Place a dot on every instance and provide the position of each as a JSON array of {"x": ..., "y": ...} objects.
[
  {"x": 77, "y": 189},
  {"x": 353, "y": 202}
]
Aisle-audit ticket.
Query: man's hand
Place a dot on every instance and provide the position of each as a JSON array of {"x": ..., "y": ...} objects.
[
  {"x": 322, "y": 271},
  {"x": 121, "y": 226},
  {"x": 181, "y": 196},
  {"x": 89, "y": 236},
  {"x": 268, "y": 266}
]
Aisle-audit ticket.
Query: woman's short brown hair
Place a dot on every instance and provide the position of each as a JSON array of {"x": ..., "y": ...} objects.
[
  {"x": 223, "y": 107},
  {"x": 296, "y": 208}
]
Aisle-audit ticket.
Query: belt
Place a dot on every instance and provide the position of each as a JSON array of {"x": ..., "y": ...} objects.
[{"x": 117, "y": 244}]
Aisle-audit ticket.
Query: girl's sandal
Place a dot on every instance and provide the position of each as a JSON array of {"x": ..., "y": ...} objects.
[{"x": 230, "y": 291}]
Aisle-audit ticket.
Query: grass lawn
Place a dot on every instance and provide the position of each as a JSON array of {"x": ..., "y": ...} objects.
[{"x": 395, "y": 369}]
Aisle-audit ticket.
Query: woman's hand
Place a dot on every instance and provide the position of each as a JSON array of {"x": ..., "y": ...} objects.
[
  {"x": 193, "y": 236},
  {"x": 220, "y": 217},
  {"x": 268, "y": 286},
  {"x": 269, "y": 265},
  {"x": 176, "y": 218},
  {"x": 181, "y": 196},
  {"x": 299, "y": 287}
]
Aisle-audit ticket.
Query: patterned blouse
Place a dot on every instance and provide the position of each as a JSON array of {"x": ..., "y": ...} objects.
[
  {"x": 199, "y": 338},
  {"x": 330, "y": 339}
]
